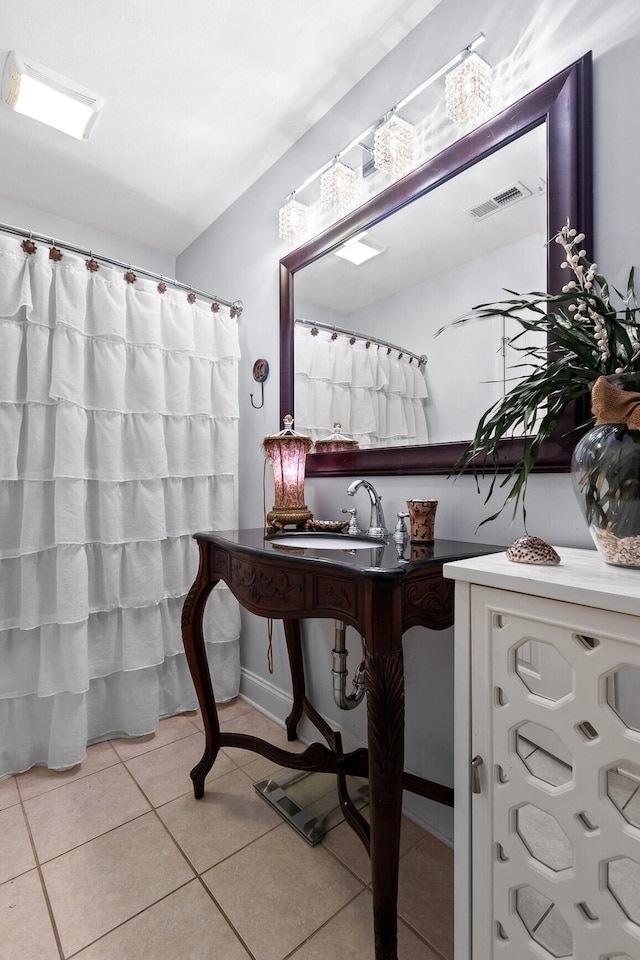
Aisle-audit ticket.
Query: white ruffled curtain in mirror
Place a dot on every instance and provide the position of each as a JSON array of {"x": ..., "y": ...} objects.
[
  {"x": 377, "y": 396},
  {"x": 118, "y": 418}
]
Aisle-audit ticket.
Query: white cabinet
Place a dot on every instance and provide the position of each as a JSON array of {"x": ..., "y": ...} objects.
[{"x": 547, "y": 853}]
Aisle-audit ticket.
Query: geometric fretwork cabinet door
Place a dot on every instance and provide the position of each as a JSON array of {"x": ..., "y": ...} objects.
[{"x": 554, "y": 733}]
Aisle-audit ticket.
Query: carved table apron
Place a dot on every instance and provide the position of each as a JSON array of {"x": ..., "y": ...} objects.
[{"x": 379, "y": 594}]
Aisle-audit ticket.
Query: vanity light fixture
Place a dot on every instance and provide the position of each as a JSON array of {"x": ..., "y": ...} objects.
[
  {"x": 393, "y": 151},
  {"x": 293, "y": 219},
  {"x": 468, "y": 90},
  {"x": 39, "y": 92},
  {"x": 393, "y": 145},
  {"x": 358, "y": 250},
  {"x": 338, "y": 186},
  {"x": 288, "y": 451}
]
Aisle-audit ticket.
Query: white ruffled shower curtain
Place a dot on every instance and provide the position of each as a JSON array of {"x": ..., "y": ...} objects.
[
  {"x": 377, "y": 396},
  {"x": 118, "y": 427}
]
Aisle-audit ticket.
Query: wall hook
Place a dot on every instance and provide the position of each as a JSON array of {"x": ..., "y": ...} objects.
[{"x": 260, "y": 374}]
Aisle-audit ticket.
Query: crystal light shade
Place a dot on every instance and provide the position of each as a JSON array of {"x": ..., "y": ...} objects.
[
  {"x": 293, "y": 220},
  {"x": 393, "y": 143},
  {"x": 338, "y": 187},
  {"x": 288, "y": 453},
  {"x": 468, "y": 90}
]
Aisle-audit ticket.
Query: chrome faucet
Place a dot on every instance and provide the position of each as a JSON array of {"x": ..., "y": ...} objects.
[{"x": 376, "y": 523}]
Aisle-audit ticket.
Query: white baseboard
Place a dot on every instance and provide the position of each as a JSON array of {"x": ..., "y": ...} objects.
[{"x": 276, "y": 704}]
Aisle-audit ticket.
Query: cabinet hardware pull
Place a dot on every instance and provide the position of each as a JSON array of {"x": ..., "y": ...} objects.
[{"x": 475, "y": 775}]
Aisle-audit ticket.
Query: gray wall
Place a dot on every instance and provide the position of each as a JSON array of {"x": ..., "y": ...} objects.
[
  {"x": 531, "y": 41},
  {"x": 83, "y": 235}
]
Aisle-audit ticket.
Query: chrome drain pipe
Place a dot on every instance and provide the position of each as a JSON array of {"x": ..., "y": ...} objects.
[{"x": 339, "y": 672}]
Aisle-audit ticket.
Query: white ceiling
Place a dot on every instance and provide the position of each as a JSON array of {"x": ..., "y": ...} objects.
[{"x": 201, "y": 99}]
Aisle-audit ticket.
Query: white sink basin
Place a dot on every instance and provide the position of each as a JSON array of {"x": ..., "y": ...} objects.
[{"x": 325, "y": 541}]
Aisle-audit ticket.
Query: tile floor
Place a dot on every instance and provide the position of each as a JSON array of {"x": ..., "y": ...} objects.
[{"x": 115, "y": 860}]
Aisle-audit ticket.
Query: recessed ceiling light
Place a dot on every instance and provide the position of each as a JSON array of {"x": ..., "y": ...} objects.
[
  {"x": 357, "y": 250},
  {"x": 38, "y": 92}
]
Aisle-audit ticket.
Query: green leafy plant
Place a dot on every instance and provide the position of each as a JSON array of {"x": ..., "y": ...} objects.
[{"x": 589, "y": 337}]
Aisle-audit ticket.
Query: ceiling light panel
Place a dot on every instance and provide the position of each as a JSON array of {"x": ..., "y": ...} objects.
[{"x": 42, "y": 94}]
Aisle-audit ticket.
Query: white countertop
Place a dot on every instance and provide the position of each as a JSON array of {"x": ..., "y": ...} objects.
[{"x": 581, "y": 577}]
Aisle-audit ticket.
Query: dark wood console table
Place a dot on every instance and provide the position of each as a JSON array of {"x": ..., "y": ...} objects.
[{"x": 379, "y": 593}]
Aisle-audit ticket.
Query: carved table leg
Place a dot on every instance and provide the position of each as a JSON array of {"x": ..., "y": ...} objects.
[
  {"x": 385, "y": 719},
  {"x": 296, "y": 665},
  {"x": 194, "y": 646}
]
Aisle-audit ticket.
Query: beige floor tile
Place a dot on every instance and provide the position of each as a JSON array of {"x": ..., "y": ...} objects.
[
  {"x": 163, "y": 774},
  {"x": 169, "y": 730},
  {"x": 230, "y": 815},
  {"x": 279, "y": 890},
  {"x": 8, "y": 793},
  {"x": 259, "y": 768},
  {"x": 96, "y": 887},
  {"x": 227, "y": 711},
  {"x": 349, "y": 935},
  {"x": 39, "y": 779},
  {"x": 186, "y": 925},
  {"x": 24, "y": 921},
  {"x": 257, "y": 725},
  {"x": 16, "y": 853},
  {"x": 79, "y": 811},
  {"x": 425, "y": 897},
  {"x": 348, "y": 847}
]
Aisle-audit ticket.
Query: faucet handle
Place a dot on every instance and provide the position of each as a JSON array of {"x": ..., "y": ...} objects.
[
  {"x": 401, "y": 534},
  {"x": 353, "y": 529}
]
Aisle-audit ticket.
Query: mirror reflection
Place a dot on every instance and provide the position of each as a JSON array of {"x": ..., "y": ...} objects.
[{"x": 366, "y": 353}]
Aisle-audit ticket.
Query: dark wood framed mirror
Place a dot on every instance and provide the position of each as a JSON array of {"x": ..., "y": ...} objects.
[{"x": 563, "y": 107}]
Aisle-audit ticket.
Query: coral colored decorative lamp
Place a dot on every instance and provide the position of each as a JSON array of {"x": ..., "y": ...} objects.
[{"x": 287, "y": 451}]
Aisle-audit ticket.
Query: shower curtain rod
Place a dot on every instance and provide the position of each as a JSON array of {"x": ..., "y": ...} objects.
[
  {"x": 420, "y": 357},
  {"x": 236, "y": 305}
]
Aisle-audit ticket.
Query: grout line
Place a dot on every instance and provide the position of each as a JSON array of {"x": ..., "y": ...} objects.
[
  {"x": 223, "y": 913},
  {"x": 325, "y": 923},
  {"x": 43, "y": 885},
  {"x": 423, "y": 939},
  {"x": 158, "y": 746},
  {"x": 57, "y": 786},
  {"x": 132, "y": 917}
]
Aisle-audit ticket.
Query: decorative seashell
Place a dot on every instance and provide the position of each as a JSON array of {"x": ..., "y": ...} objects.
[{"x": 532, "y": 550}]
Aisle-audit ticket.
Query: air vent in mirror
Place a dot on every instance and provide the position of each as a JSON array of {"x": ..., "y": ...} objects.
[{"x": 504, "y": 198}]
